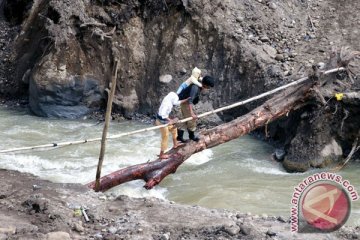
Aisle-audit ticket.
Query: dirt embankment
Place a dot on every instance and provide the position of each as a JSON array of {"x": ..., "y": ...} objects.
[
  {"x": 8, "y": 87},
  {"x": 64, "y": 54},
  {"x": 31, "y": 208}
]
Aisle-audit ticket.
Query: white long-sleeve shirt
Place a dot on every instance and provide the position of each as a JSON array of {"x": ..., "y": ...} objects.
[{"x": 170, "y": 100}]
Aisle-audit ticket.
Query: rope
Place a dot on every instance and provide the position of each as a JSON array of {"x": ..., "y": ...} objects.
[{"x": 61, "y": 144}]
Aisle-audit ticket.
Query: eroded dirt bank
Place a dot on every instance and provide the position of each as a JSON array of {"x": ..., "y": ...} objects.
[
  {"x": 62, "y": 57},
  {"x": 31, "y": 208}
]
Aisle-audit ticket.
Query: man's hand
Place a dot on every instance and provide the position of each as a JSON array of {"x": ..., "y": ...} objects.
[
  {"x": 194, "y": 116},
  {"x": 184, "y": 100},
  {"x": 173, "y": 121}
]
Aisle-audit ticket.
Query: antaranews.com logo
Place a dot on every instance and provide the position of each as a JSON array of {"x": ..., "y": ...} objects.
[{"x": 321, "y": 203}]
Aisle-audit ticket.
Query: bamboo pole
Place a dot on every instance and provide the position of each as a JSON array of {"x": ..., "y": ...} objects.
[
  {"x": 106, "y": 125},
  {"x": 62, "y": 144}
]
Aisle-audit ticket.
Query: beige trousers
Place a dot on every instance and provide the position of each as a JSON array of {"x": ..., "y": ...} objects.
[
  {"x": 165, "y": 134},
  {"x": 185, "y": 110}
]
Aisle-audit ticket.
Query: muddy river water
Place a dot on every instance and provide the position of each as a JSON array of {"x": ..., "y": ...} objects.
[{"x": 237, "y": 175}]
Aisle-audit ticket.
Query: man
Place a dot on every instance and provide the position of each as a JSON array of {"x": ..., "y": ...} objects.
[
  {"x": 193, "y": 93},
  {"x": 162, "y": 117}
]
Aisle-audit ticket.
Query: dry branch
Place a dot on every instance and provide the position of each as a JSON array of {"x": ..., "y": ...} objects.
[
  {"x": 354, "y": 149},
  {"x": 319, "y": 95},
  {"x": 106, "y": 125}
]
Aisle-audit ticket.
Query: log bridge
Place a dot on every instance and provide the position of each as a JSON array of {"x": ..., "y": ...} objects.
[{"x": 292, "y": 98}]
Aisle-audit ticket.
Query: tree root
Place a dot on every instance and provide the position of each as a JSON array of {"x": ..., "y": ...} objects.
[
  {"x": 355, "y": 148},
  {"x": 346, "y": 56},
  {"x": 319, "y": 96},
  {"x": 344, "y": 118},
  {"x": 98, "y": 32},
  {"x": 96, "y": 24}
]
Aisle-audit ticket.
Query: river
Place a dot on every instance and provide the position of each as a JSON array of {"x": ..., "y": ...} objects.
[{"x": 237, "y": 175}]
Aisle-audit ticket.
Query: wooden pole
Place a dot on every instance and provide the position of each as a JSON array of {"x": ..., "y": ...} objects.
[{"x": 106, "y": 126}]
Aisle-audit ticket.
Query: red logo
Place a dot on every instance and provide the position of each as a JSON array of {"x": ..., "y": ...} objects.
[{"x": 325, "y": 206}]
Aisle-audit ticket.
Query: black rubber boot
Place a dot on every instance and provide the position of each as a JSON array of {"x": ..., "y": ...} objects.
[
  {"x": 180, "y": 136},
  {"x": 192, "y": 136}
]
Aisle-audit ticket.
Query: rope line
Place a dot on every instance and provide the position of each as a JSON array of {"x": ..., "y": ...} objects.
[{"x": 61, "y": 144}]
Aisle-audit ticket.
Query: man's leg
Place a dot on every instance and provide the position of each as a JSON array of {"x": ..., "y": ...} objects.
[
  {"x": 182, "y": 126},
  {"x": 173, "y": 130},
  {"x": 185, "y": 110},
  {"x": 191, "y": 125},
  {"x": 180, "y": 135},
  {"x": 164, "y": 140},
  {"x": 193, "y": 136}
]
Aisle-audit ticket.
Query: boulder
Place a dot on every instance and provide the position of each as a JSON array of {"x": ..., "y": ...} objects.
[{"x": 57, "y": 236}]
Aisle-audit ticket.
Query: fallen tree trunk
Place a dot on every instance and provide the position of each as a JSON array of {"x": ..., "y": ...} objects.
[{"x": 153, "y": 172}]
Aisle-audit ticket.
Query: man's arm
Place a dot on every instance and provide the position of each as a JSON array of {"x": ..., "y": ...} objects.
[
  {"x": 193, "y": 115},
  {"x": 193, "y": 94}
]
